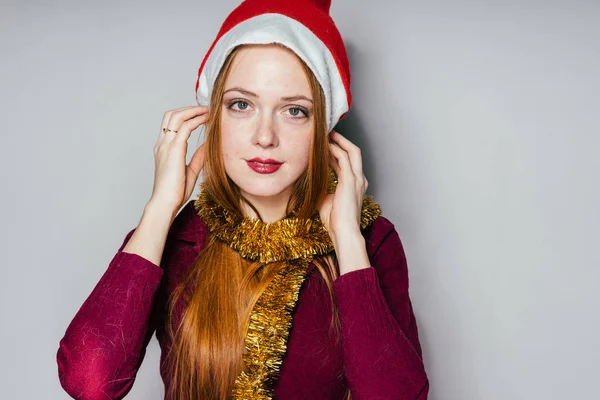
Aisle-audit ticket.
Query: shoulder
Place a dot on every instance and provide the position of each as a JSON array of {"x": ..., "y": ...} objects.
[
  {"x": 381, "y": 231},
  {"x": 188, "y": 226}
]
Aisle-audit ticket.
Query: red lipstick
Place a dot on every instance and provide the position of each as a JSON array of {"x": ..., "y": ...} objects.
[{"x": 264, "y": 166}]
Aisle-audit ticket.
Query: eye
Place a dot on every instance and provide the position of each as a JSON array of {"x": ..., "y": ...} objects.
[
  {"x": 295, "y": 112},
  {"x": 243, "y": 105}
]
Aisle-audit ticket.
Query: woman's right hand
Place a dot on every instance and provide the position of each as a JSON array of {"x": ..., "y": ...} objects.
[{"x": 174, "y": 181}]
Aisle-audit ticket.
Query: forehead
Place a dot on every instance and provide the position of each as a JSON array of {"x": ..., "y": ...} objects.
[{"x": 268, "y": 68}]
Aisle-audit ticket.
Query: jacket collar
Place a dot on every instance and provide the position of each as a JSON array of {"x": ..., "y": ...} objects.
[{"x": 189, "y": 227}]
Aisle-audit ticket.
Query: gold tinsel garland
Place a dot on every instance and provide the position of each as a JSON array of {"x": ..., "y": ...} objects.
[
  {"x": 291, "y": 239},
  {"x": 287, "y": 239},
  {"x": 268, "y": 332}
]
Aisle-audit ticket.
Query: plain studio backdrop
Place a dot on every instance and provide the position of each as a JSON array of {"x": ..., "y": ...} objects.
[{"x": 479, "y": 128}]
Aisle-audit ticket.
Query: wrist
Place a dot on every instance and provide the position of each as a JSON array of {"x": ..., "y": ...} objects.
[
  {"x": 156, "y": 210},
  {"x": 351, "y": 253},
  {"x": 347, "y": 237}
]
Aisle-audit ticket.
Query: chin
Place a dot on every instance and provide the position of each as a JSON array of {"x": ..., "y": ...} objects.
[
  {"x": 265, "y": 187},
  {"x": 256, "y": 185}
]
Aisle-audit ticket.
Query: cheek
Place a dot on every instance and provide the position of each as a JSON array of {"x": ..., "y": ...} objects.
[
  {"x": 229, "y": 142},
  {"x": 300, "y": 152},
  {"x": 227, "y": 148}
]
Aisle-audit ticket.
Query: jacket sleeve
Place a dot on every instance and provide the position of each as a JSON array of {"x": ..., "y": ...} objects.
[
  {"x": 105, "y": 343},
  {"x": 381, "y": 349}
]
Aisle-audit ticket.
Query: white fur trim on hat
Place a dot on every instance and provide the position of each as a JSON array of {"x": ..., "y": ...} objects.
[{"x": 278, "y": 28}]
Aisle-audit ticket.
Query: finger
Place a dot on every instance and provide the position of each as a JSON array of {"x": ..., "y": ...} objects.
[
  {"x": 352, "y": 150},
  {"x": 183, "y": 114},
  {"x": 168, "y": 114},
  {"x": 185, "y": 130},
  {"x": 197, "y": 161},
  {"x": 341, "y": 156},
  {"x": 333, "y": 163},
  {"x": 165, "y": 121},
  {"x": 182, "y": 123},
  {"x": 163, "y": 125},
  {"x": 325, "y": 206},
  {"x": 177, "y": 118}
]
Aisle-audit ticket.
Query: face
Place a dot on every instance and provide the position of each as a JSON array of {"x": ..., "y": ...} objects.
[{"x": 266, "y": 123}]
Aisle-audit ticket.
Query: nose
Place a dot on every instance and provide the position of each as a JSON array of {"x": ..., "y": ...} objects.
[{"x": 266, "y": 132}]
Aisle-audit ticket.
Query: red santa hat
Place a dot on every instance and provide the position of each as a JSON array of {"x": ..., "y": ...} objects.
[{"x": 303, "y": 26}]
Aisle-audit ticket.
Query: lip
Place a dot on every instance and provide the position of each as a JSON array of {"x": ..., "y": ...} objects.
[
  {"x": 265, "y": 160},
  {"x": 264, "y": 165}
]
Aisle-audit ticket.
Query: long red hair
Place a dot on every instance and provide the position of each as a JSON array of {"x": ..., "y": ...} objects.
[{"x": 221, "y": 288}]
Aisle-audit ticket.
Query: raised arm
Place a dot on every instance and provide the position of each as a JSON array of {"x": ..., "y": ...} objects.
[
  {"x": 382, "y": 353},
  {"x": 105, "y": 343}
]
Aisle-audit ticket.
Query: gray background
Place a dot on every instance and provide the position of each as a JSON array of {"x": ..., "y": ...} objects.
[{"x": 479, "y": 126}]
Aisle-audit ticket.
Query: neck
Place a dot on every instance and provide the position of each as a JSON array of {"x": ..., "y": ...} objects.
[{"x": 271, "y": 208}]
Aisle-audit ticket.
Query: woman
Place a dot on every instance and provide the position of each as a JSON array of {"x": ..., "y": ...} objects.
[{"x": 281, "y": 280}]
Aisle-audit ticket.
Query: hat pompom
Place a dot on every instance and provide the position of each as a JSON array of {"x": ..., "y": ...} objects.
[{"x": 323, "y": 4}]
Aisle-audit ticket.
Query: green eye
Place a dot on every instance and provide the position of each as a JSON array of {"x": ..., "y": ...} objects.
[
  {"x": 244, "y": 107},
  {"x": 294, "y": 111}
]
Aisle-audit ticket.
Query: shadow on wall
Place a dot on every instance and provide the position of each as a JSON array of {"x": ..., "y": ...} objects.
[
  {"x": 354, "y": 130},
  {"x": 407, "y": 223}
]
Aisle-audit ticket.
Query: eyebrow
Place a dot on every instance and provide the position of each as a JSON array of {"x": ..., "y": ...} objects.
[{"x": 249, "y": 93}]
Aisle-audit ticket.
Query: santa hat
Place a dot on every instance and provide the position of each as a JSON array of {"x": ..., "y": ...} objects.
[{"x": 305, "y": 27}]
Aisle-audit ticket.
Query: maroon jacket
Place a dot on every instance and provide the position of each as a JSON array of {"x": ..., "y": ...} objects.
[{"x": 379, "y": 358}]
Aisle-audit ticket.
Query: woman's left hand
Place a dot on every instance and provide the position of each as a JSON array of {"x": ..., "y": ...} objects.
[{"x": 340, "y": 212}]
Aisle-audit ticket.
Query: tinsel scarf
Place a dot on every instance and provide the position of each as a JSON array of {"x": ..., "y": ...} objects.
[{"x": 295, "y": 240}]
